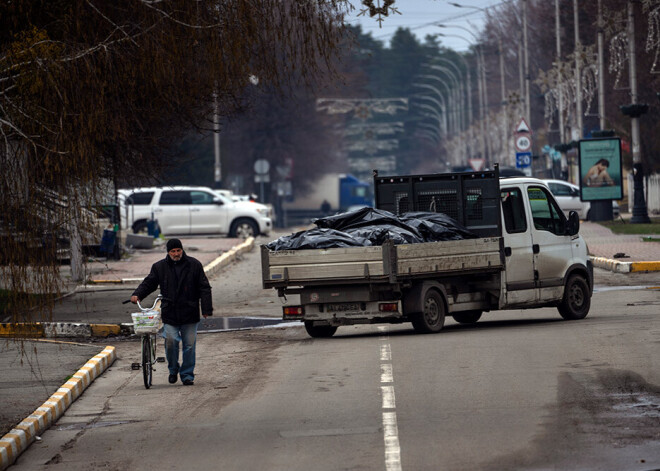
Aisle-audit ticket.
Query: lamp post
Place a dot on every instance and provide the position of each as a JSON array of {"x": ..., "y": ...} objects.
[
  {"x": 454, "y": 105},
  {"x": 560, "y": 98},
  {"x": 639, "y": 212},
  {"x": 445, "y": 106},
  {"x": 483, "y": 97},
  {"x": 464, "y": 87},
  {"x": 468, "y": 91},
  {"x": 578, "y": 72},
  {"x": 441, "y": 115},
  {"x": 457, "y": 92}
]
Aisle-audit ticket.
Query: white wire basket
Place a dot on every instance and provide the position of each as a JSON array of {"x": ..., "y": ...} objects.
[{"x": 147, "y": 322}]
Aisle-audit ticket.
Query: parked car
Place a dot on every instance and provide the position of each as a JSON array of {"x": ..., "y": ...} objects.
[
  {"x": 568, "y": 196},
  {"x": 192, "y": 210}
]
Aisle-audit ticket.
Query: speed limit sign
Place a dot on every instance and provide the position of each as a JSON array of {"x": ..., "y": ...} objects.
[{"x": 523, "y": 143}]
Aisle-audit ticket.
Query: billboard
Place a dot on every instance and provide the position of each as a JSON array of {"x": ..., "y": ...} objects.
[{"x": 601, "y": 176}]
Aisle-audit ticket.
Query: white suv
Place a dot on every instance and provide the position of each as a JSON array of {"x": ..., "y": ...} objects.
[{"x": 192, "y": 210}]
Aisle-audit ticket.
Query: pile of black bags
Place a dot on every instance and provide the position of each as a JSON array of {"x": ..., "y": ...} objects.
[{"x": 368, "y": 226}]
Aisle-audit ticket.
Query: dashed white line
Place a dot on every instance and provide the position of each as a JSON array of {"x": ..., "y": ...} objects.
[{"x": 390, "y": 428}]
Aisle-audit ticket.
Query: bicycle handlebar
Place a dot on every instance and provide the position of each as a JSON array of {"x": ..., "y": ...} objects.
[{"x": 158, "y": 298}]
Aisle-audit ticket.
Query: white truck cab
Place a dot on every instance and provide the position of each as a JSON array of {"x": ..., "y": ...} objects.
[
  {"x": 181, "y": 210},
  {"x": 541, "y": 251}
]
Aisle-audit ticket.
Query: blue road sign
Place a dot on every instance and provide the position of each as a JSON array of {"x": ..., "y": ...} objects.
[{"x": 523, "y": 159}]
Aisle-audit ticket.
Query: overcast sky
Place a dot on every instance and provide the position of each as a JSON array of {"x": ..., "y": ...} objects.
[{"x": 420, "y": 15}]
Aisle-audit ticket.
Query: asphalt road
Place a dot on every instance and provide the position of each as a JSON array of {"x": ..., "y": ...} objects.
[{"x": 519, "y": 390}]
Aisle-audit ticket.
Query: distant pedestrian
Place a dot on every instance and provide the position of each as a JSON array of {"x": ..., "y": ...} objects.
[
  {"x": 325, "y": 208},
  {"x": 183, "y": 285}
]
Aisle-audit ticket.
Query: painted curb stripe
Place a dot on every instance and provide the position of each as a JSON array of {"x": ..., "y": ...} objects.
[
  {"x": 19, "y": 438},
  {"x": 645, "y": 266},
  {"x": 624, "y": 267}
]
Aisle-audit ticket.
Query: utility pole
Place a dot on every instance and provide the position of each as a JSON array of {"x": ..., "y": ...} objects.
[
  {"x": 601, "y": 69},
  {"x": 639, "y": 213},
  {"x": 578, "y": 71},
  {"x": 505, "y": 115},
  {"x": 526, "y": 60},
  {"x": 216, "y": 142},
  {"x": 560, "y": 98}
]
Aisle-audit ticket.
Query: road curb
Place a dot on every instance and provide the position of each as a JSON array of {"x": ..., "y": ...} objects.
[
  {"x": 211, "y": 269},
  {"x": 229, "y": 256},
  {"x": 18, "y": 439},
  {"x": 52, "y": 330},
  {"x": 618, "y": 266},
  {"x": 81, "y": 330}
]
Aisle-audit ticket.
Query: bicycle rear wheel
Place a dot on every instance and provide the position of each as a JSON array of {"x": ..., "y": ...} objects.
[{"x": 147, "y": 359}]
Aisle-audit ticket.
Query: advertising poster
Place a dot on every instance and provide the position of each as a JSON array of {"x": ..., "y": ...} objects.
[{"x": 601, "y": 176}]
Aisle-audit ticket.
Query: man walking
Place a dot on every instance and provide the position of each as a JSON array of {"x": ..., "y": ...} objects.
[{"x": 183, "y": 285}]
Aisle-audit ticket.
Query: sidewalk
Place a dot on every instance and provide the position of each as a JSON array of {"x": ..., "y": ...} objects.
[{"x": 621, "y": 253}]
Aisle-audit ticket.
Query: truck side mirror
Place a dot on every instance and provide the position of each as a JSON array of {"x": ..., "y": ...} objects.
[
  {"x": 573, "y": 225},
  {"x": 217, "y": 200}
]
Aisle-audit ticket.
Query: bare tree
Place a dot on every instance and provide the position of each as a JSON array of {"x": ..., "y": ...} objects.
[{"x": 93, "y": 90}]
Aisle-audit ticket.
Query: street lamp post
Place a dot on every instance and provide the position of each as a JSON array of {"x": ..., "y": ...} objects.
[
  {"x": 446, "y": 104},
  {"x": 463, "y": 88},
  {"x": 452, "y": 96},
  {"x": 481, "y": 82},
  {"x": 457, "y": 92},
  {"x": 440, "y": 116},
  {"x": 639, "y": 212},
  {"x": 578, "y": 71}
]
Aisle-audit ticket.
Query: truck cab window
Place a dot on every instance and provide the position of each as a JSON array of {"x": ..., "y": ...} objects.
[
  {"x": 513, "y": 210},
  {"x": 545, "y": 212}
]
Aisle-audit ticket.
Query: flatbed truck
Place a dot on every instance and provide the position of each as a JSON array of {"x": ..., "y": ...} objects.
[{"x": 528, "y": 254}]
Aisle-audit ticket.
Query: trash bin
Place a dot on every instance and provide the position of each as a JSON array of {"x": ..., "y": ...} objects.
[
  {"x": 108, "y": 242},
  {"x": 152, "y": 228}
]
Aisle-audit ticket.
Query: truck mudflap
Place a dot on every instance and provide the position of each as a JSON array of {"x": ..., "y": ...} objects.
[{"x": 346, "y": 313}]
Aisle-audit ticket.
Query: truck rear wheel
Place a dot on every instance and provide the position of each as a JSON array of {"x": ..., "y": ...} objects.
[
  {"x": 577, "y": 299},
  {"x": 467, "y": 317},
  {"x": 319, "y": 331},
  {"x": 432, "y": 319}
]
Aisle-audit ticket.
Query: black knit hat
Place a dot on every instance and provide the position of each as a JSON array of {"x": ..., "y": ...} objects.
[{"x": 174, "y": 244}]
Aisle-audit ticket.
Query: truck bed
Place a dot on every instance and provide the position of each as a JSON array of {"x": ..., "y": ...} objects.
[{"x": 386, "y": 263}]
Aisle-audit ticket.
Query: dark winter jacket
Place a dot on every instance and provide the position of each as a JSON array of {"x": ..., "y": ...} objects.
[{"x": 181, "y": 300}]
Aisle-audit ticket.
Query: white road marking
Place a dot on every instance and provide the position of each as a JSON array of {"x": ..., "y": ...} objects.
[
  {"x": 386, "y": 375},
  {"x": 390, "y": 428},
  {"x": 385, "y": 353},
  {"x": 389, "y": 402}
]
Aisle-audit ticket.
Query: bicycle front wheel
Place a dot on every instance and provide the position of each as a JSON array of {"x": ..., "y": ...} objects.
[{"x": 147, "y": 366}]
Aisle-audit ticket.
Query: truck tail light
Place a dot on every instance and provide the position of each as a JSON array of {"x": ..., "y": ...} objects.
[
  {"x": 293, "y": 312},
  {"x": 388, "y": 307}
]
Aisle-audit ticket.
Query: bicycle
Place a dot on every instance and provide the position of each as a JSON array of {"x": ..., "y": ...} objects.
[{"x": 147, "y": 323}]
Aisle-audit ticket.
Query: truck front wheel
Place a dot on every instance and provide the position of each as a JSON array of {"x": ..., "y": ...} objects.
[
  {"x": 467, "y": 317},
  {"x": 319, "y": 331},
  {"x": 432, "y": 319},
  {"x": 577, "y": 299}
]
